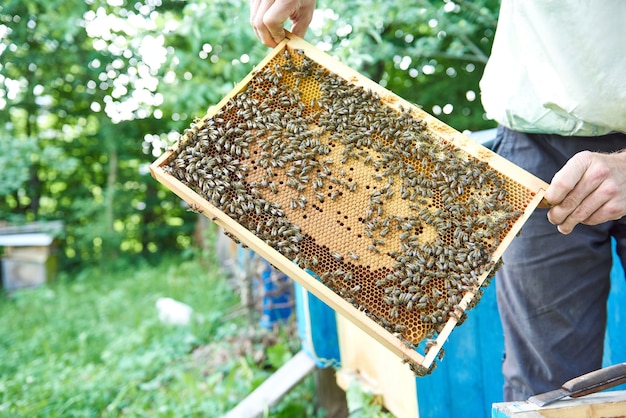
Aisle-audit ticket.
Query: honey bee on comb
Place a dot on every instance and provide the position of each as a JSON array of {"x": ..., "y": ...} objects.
[{"x": 381, "y": 204}]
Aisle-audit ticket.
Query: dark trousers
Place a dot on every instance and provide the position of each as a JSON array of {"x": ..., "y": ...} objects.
[{"x": 552, "y": 289}]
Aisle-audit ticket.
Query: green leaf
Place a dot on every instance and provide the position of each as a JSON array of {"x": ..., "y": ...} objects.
[{"x": 277, "y": 355}]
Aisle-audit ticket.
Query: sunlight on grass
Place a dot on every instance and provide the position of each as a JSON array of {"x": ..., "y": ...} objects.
[{"x": 92, "y": 345}]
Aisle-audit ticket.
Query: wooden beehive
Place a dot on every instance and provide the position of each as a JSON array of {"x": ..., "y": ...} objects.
[{"x": 382, "y": 211}]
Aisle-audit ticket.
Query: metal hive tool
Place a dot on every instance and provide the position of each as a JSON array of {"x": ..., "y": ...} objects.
[{"x": 388, "y": 215}]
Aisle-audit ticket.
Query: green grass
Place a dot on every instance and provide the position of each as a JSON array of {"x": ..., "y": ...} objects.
[{"x": 92, "y": 346}]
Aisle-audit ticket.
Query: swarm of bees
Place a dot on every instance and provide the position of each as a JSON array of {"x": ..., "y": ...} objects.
[{"x": 387, "y": 214}]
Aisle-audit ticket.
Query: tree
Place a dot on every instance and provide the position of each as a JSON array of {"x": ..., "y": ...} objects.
[
  {"x": 93, "y": 91},
  {"x": 71, "y": 81},
  {"x": 431, "y": 53}
]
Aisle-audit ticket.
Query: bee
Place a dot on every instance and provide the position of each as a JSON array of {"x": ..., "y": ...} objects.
[
  {"x": 353, "y": 255},
  {"x": 404, "y": 298},
  {"x": 195, "y": 208}
]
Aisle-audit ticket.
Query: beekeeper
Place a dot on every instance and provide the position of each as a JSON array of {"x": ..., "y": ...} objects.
[{"x": 556, "y": 85}]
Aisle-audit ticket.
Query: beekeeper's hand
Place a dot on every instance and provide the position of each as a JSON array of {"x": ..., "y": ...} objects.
[
  {"x": 590, "y": 189},
  {"x": 268, "y": 17}
]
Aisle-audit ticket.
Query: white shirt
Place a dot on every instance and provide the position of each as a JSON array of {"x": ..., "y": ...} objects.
[{"x": 558, "y": 66}]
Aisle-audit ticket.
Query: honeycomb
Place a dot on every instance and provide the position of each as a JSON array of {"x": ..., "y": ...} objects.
[{"x": 386, "y": 212}]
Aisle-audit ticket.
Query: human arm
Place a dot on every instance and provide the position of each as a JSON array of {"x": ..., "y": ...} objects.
[
  {"x": 267, "y": 18},
  {"x": 590, "y": 189}
]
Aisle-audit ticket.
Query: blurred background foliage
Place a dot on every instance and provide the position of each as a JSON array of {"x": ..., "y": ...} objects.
[{"x": 92, "y": 91}]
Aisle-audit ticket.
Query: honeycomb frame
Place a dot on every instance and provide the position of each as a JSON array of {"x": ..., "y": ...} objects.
[{"x": 388, "y": 215}]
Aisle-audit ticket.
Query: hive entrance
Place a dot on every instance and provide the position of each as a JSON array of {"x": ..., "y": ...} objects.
[{"x": 388, "y": 214}]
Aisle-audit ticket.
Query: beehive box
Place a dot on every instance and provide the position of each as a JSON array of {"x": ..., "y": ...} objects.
[{"x": 382, "y": 211}]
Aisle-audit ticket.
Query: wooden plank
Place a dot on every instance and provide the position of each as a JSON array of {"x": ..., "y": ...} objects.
[
  {"x": 598, "y": 405},
  {"x": 330, "y": 397},
  {"x": 377, "y": 370},
  {"x": 274, "y": 388}
]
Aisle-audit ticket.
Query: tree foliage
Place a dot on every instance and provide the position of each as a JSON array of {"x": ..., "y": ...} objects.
[
  {"x": 92, "y": 91},
  {"x": 431, "y": 53}
]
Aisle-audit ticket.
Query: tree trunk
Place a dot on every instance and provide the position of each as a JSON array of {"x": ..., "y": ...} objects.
[{"x": 109, "y": 246}]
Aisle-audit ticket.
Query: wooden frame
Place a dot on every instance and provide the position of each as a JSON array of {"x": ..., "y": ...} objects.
[{"x": 421, "y": 363}]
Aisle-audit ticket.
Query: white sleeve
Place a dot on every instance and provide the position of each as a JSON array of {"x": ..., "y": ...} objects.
[{"x": 558, "y": 67}]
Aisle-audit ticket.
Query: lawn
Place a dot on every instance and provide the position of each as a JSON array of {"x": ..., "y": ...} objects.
[{"x": 91, "y": 345}]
